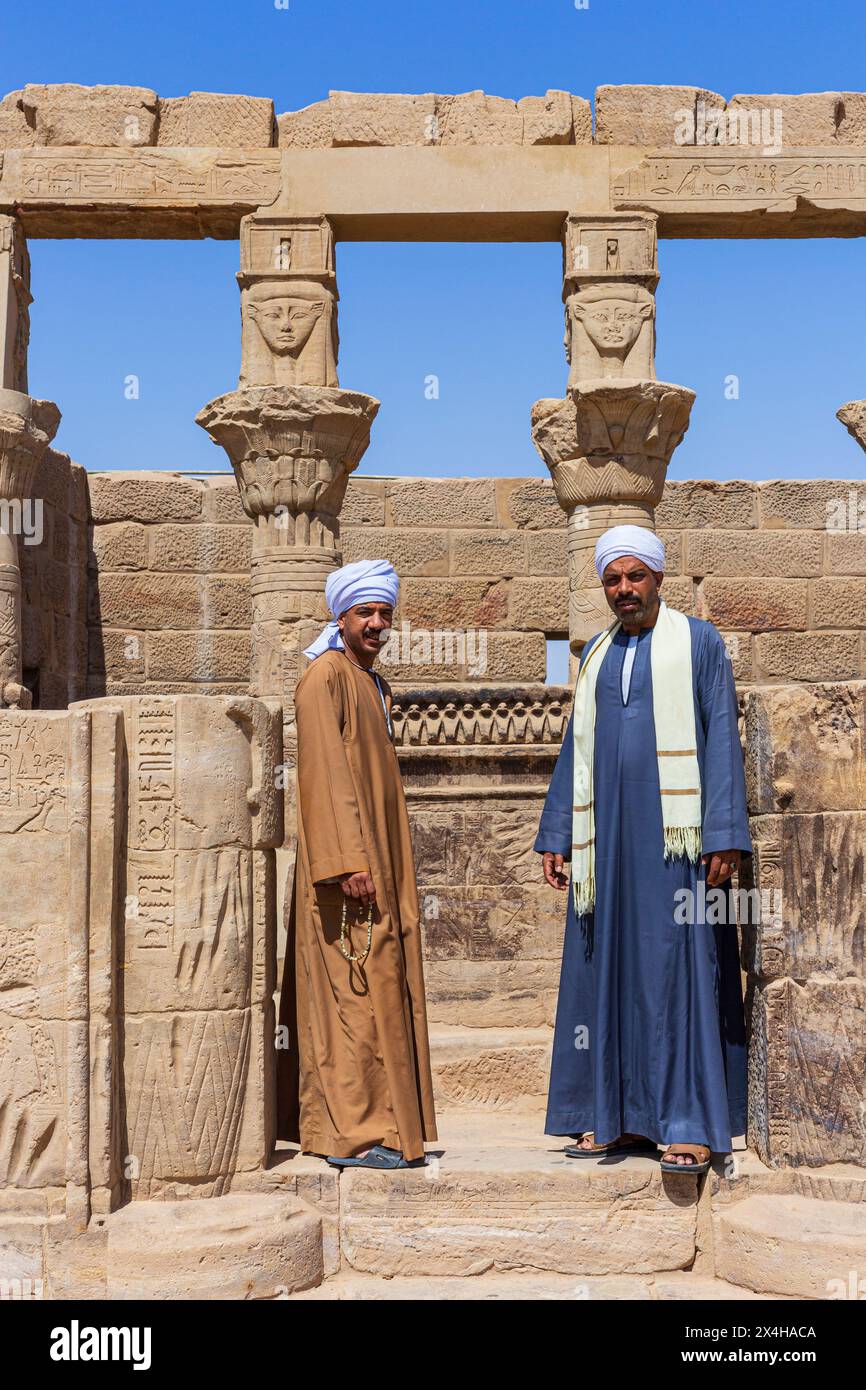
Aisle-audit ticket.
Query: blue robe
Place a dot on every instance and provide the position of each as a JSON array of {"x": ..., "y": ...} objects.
[{"x": 650, "y": 1034}]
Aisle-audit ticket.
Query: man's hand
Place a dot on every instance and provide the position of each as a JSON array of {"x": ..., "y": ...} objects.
[
  {"x": 721, "y": 865},
  {"x": 360, "y": 886},
  {"x": 554, "y": 871}
]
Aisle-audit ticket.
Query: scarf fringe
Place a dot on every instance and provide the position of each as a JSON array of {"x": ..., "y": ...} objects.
[
  {"x": 682, "y": 840},
  {"x": 584, "y": 895}
]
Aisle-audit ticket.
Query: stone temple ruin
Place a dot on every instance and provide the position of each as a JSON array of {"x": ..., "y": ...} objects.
[{"x": 150, "y": 645}]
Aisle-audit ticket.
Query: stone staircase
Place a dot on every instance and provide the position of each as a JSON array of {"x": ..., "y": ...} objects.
[{"x": 501, "y": 1213}]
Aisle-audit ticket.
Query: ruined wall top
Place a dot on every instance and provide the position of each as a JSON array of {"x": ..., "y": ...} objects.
[{"x": 123, "y": 161}]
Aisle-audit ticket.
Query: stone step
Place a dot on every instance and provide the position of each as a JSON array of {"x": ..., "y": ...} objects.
[
  {"x": 239, "y": 1246},
  {"x": 491, "y": 1068},
  {"x": 524, "y": 1288},
  {"x": 497, "y": 1195},
  {"x": 792, "y": 1245}
]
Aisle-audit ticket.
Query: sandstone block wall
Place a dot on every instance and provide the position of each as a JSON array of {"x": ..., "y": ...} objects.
[{"x": 168, "y": 575}]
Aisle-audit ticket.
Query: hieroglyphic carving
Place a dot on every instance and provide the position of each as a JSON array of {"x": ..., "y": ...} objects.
[
  {"x": 140, "y": 175},
  {"x": 684, "y": 177},
  {"x": 32, "y": 774},
  {"x": 203, "y": 802},
  {"x": 155, "y": 766}
]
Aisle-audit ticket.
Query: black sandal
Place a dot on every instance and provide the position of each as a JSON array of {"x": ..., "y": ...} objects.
[{"x": 629, "y": 1146}]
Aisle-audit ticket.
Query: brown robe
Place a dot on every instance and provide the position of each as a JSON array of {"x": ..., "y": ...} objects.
[{"x": 357, "y": 1069}]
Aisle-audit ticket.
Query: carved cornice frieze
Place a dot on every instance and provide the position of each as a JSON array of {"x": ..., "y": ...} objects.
[{"x": 459, "y": 715}]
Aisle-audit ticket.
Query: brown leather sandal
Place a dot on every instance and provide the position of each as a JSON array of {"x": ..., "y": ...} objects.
[{"x": 700, "y": 1158}]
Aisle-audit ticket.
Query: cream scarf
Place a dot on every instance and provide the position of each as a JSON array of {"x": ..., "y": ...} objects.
[{"x": 676, "y": 749}]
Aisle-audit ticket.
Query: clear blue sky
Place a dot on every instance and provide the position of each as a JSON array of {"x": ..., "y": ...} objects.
[{"x": 786, "y": 317}]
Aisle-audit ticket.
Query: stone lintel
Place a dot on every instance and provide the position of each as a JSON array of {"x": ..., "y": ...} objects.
[{"x": 473, "y": 193}]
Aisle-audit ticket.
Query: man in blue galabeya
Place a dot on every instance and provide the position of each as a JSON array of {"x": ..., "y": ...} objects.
[{"x": 648, "y": 804}]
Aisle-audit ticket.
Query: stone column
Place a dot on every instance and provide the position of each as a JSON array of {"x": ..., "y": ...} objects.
[
  {"x": 609, "y": 442},
  {"x": 15, "y": 301},
  {"x": 293, "y": 438},
  {"x": 27, "y": 426}
]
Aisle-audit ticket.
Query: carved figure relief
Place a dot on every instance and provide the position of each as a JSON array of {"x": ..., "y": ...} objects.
[
  {"x": 610, "y": 332},
  {"x": 289, "y": 334}
]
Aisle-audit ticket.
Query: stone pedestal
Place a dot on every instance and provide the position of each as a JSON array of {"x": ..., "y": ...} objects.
[
  {"x": 27, "y": 426},
  {"x": 609, "y": 442}
]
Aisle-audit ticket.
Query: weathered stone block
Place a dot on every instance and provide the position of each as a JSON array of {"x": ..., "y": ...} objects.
[
  {"x": 364, "y": 504},
  {"x": 310, "y": 128},
  {"x": 375, "y": 118},
  {"x": 721, "y": 506},
  {"x": 474, "y": 118},
  {"x": 441, "y": 502},
  {"x": 120, "y": 655},
  {"x": 170, "y": 601},
  {"x": 410, "y": 551},
  {"x": 501, "y": 1213},
  {"x": 547, "y": 552},
  {"x": 754, "y": 604},
  {"x": 548, "y": 120},
  {"x": 491, "y": 1069},
  {"x": 222, "y": 505},
  {"x": 759, "y": 553},
  {"x": 790, "y": 1246},
  {"x": 804, "y": 119},
  {"x": 806, "y": 748},
  {"x": 119, "y": 545},
  {"x": 143, "y": 497},
  {"x": 204, "y": 548},
  {"x": 216, "y": 119},
  {"x": 646, "y": 115},
  {"x": 16, "y": 132},
  {"x": 492, "y": 994},
  {"x": 850, "y": 116},
  {"x": 449, "y": 603},
  {"x": 533, "y": 504},
  {"x": 679, "y": 592},
  {"x": 796, "y": 503},
  {"x": 480, "y": 552},
  {"x": 540, "y": 606},
  {"x": 69, "y": 114},
  {"x": 838, "y": 603},
  {"x": 846, "y": 554},
  {"x": 198, "y": 656},
  {"x": 809, "y": 656}
]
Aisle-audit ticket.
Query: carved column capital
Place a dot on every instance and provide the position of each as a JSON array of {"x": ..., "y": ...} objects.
[{"x": 292, "y": 450}]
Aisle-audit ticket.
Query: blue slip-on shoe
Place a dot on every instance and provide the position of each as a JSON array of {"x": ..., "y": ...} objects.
[{"x": 378, "y": 1157}]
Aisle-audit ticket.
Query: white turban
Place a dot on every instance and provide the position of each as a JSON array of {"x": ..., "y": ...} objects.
[
  {"x": 629, "y": 540},
  {"x": 364, "y": 581}
]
